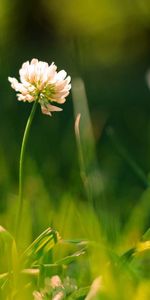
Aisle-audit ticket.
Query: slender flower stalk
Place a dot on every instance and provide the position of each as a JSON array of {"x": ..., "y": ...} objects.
[
  {"x": 39, "y": 83},
  {"x": 21, "y": 164}
]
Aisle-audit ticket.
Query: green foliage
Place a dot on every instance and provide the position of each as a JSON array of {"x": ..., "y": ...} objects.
[{"x": 37, "y": 272}]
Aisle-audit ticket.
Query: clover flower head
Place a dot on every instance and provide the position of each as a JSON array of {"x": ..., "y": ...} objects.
[{"x": 41, "y": 81}]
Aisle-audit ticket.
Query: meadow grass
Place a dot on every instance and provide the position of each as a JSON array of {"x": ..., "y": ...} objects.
[{"x": 79, "y": 249}]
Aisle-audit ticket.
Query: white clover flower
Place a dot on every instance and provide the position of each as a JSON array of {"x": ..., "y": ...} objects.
[{"x": 38, "y": 80}]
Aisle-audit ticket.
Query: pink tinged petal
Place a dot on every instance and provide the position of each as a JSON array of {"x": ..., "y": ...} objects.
[
  {"x": 42, "y": 69},
  {"x": 60, "y": 97},
  {"x": 49, "y": 108},
  {"x": 24, "y": 75},
  {"x": 34, "y": 61},
  {"x": 31, "y": 74},
  {"x": 62, "y": 86},
  {"x": 61, "y": 94},
  {"x": 51, "y": 73},
  {"x": 61, "y": 75},
  {"x": 24, "y": 98},
  {"x": 58, "y": 100},
  {"x": 68, "y": 79},
  {"x": 30, "y": 98},
  {"x": 53, "y": 108},
  {"x": 44, "y": 75},
  {"x": 69, "y": 87},
  {"x": 26, "y": 84},
  {"x": 21, "y": 97},
  {"x": 45, "y": 111},
  {"x": 24, "y": 70},
  {"x": 25, "y": 65},
  {"x": 52, "y": 67},
  {"x": 14, "y": 82},
  {"x": 61, "y": 100},
  {"x": 43, "y": 65},
  {"x": 17, "y": 86},
  {"x": 39, "y": 71}
]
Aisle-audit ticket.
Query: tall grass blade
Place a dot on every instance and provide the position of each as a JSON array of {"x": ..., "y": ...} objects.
[{"x": 89, "y": 168}]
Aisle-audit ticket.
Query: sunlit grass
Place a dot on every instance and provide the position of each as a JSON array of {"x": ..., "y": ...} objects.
[{"x": 77, "y": 249}]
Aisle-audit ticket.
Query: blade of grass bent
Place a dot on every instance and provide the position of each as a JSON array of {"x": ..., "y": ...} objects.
[
  {"x": 44, "y": 242},
  {"x": 89, "y": 169}
]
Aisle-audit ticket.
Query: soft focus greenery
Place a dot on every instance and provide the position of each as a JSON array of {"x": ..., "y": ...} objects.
[{"x": 89, "y": 183}]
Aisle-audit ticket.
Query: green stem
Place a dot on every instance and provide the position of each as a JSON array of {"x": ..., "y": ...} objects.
[{"x": 21, "y": 165}]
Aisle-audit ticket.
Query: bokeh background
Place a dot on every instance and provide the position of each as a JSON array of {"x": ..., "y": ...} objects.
[{"x": 107, "y": 44}]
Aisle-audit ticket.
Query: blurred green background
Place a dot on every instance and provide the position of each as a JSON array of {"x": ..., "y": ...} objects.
[{"x": 107, "y": 44}]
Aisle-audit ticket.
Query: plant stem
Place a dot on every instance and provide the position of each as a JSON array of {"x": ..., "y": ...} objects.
[{"x": 21, "y": 165}]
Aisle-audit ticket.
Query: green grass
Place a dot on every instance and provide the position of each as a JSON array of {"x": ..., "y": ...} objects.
[{"x": 78, "y": 249}]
